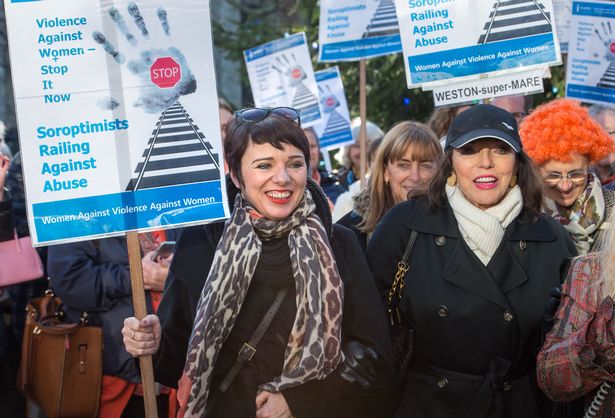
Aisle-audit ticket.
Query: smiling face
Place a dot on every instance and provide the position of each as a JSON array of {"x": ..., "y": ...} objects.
[
  {"x": 274, "y": 180},
  {"x": 565, "y": 190},
  {"x": 484, "y": 169},
  {"x": 406, "y": 174}
]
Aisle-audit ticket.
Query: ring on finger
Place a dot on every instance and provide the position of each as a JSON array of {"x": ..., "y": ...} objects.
[{"x": 132, "y": 336}]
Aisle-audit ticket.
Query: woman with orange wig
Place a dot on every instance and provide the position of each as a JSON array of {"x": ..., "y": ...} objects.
[{"x": 563, "y": 140}]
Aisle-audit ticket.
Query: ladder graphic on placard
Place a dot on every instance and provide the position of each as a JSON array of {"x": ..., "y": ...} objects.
[
  {"x": 511, "y": 19},
  {"x": 336, "y": 124},
  {"x": 608, "y": 78},
  {"x": 604, "y": 33},
  {"x": 384, "y": 21},
  {"x": 305, "y": 101},
  {"x": 176, "y": 153}
]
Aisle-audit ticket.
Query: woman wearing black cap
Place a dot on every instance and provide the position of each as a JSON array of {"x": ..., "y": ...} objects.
[{"x": 480, "y": 271}]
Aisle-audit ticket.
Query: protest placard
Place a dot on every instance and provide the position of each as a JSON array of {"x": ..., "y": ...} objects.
[
  {"x": 281, "y": 74},
  {"x": 590, "y": 72},
  {"x": 447, "y": 39},
  {"x": 562, "y": 10},
  {"x": 350, "y": 30},
  {"x": 334, "y": 131},
  {"x": 117, "y": 114}
]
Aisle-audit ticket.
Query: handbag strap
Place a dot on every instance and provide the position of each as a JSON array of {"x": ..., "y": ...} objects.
[
  {"x": 247, "y": 350},
  {"x": 392, "y": 304}
]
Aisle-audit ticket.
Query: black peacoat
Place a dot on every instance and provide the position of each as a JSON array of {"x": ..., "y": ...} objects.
[{"x": 477, "y": 327}]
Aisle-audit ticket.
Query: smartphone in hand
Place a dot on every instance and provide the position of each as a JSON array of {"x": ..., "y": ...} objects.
[{"x": 164, "y": 250}]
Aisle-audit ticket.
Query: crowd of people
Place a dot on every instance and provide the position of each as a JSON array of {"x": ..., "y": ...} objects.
[{"x": 491, "y": 226}]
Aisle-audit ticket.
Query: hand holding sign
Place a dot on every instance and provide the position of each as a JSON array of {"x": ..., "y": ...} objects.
[{"x": 164, "y": 72}]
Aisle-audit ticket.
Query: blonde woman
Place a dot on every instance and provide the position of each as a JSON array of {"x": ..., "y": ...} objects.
[
  {"x": 405, "y": 161},
  {"x": 578, "y": 355}
]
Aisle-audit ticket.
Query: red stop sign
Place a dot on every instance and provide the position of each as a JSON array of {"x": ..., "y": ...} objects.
[
  {"x": 295, "y": 73},
  {"x": 165, "y": 72}
]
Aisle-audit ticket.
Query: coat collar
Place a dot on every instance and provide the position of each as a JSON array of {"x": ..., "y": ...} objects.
[{"x": 442, "y": 221}]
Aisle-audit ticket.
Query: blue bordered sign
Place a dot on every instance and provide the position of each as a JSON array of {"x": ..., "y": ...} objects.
[
  {"x": 350, "y": 30},
  {"x": 590, "y": 74},
  {"x": 446, "y": 39},
  {"x": 105, "y": 149}
]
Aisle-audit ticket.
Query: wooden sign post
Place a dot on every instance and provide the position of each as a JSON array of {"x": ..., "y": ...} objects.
[
  {"x": 363, "y": 116},
  {"x": 138, "y": 300}
]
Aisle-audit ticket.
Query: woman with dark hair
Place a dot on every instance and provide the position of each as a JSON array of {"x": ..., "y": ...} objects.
[
  {"x": 405, "y": 160},
  {"x": 278, "y": 249},
  {"x": 480, "y": 271}
]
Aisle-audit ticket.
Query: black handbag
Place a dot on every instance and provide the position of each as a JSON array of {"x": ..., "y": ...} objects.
[{"x": 401, "y": 331}]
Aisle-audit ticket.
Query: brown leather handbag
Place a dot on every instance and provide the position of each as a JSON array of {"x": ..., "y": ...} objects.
[{"x": 61, "y": 363}]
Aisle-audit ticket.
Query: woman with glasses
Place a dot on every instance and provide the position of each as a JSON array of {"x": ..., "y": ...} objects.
[
  {"x": 482, "y": 264},
  {"x": 273, "y": 314},
  {"x": 564, "y": 140},
  {"x": 406, "y": 160}
]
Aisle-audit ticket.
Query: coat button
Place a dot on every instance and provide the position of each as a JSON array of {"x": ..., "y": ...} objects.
[
  {"x": 442, "y": 382},
  {"x": 508, "y": 316},
  {"x": 442, "y": 311},
  {"x": 440, "y": 241},
  {"x": 522, "y": 245},
  {"x": 507, "y": 386}
]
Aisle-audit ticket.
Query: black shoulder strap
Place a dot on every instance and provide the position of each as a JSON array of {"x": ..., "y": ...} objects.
[
  {"x": 247, "y": 350},
  {"x": 406, "y": 257},
  {"x": 397, "y": 287}
]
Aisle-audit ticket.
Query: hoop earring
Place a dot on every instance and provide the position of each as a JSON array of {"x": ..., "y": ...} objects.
[
  {"x": 513, "y": 181},
  {"x": 452, "y": 180}
]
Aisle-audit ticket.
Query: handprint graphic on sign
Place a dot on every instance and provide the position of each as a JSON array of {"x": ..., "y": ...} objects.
[
  {"x": 294, "y": 76},
  {"x": 164, "y": 72}
]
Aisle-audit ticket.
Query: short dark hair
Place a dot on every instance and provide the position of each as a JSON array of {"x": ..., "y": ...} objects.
[
  {"x": 527, "y": 179},
  {"x": 274, "y": 130}
]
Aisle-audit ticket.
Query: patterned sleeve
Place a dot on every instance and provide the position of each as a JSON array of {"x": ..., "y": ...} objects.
[{"x": 571, "y": 362}]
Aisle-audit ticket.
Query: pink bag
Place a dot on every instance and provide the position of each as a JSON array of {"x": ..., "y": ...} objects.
[{"x": 19, "y": 261}]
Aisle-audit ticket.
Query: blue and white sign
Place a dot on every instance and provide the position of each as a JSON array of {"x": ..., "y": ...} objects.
[
  {"x": 117, "y": 116},
  {"x": 334, "y": 131},
  {"x": 281, "y": 74},
  {"x": 590, "y": 74},
  {"x": 354, "y": 29},
  {"x": 446, "y": 39}
]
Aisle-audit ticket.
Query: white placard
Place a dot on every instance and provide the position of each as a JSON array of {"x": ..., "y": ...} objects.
[
  {"x": 350, "y": 30},
  {"x": 334, "y": 131},
  {"x": 446, "y": 39},
  {"x": 521, "y": 83},
  {"x": 281, "y": 74},
  {"x": 118, "y": 116},
  {"x": 590, "y": 72},
  {"x": 562, "y": 10}
]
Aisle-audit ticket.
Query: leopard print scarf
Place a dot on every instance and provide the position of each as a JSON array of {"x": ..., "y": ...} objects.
[{"x": 314, "y": 345}]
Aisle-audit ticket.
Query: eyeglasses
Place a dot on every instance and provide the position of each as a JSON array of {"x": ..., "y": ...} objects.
[
  {"x": 575, "y": 177},
  {"x": 256, "y": 114}
]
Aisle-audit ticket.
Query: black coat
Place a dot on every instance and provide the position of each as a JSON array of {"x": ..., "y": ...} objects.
[
  {"x": 363, "y": 320},
  {"x": 477, "y": 328},
  {"x": 351, "y": 221}
]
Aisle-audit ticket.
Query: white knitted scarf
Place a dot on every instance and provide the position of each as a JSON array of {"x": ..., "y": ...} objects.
[{"x": 483, "y": 230}]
